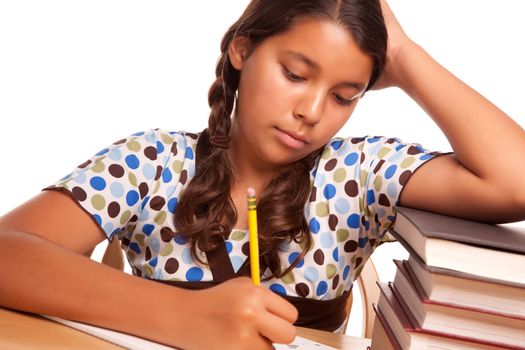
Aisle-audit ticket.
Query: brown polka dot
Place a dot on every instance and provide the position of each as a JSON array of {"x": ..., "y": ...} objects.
[
  {"x": 148, "y": 253},
  {"x": 166, "y": 234},
  {"x": 150, "y": 152},
  {"x": 183, "y": 177},
  {"x": 125, "y": 241},
  {"x": 313, "y": 194},
  {"x": 85, "y": 164},
  {"x": 79, "y": 194},
  {"x": 143, "y": 189},
  {"x": 372, "y": 242},
  {"x": 157, "y": 203},
  {"x": 174, "y": 148},
  {"x": 335, "y": 282},
  {"x": 383, "y": 200},
  {"x": 192, "y": 135},
  {"x": 350, "y": 246},
  {"x": 330, "y": 165},
  {"x": 116, "y": 170},
  {"x": 134, "y": 218},
  {"x": 403, "y": 178},
  {"x": 352, "y": 188},
  {"x": 246, "y": 248},
  {"x": 159, "y": 172},
  {"x": 302, "y": 290},
  {"x": 319, "y": 257},
  {"x": 171, "y": 266},
  {"x": 358, "y": 262},
  {"x": 113, "y": 209},
  {"x": 363, "y": 157},
  {"x": 138, "y": 273},
  {"x": 390, "y": 140},
  {"x": 363, "y": 220},
  {"x": 376, "y": 218},
  {"x": 413, "y": 150},
  {"x": 332, "y": 221},
  {"x": 355, "y": 140},
  {"x": 121, "y": 141},
  {"x": 378, "y": 166}
]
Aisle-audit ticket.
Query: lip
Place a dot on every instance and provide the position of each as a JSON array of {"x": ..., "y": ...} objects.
[{"x": 291, "y": 139}]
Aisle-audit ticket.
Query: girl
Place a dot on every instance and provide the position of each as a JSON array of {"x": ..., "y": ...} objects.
[{"x": 289, "y": 77}]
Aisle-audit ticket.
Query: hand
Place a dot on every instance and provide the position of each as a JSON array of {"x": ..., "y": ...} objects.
[
  {"x": 238, "y": 315},
  {"x": 398, "y": 45}
]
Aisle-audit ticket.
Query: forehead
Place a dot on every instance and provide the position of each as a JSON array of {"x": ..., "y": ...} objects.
[{"x": 328, "y": 44}]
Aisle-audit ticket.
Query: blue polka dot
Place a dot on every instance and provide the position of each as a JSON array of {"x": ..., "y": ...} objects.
[
  {"x": 322, "y": 287},
  {"x": 160, "y": 147},
  {"x": 132, "y": 161},
  {"x": 115, "y": 154},
  {"x": 98, "y": 183},
  {"x": 189, "y": 153},
  {"x": 426, "y": 156},
  {"x": 335, "y": 254},
  {"x": 391, "y": 218},
  {"x": 186, "y": 256},
  {"x": 180, "y": 239},
  {"x": 390, "y": 171},
  {"x": 80, "y": 178},
  {"x": 277, "y": 288},
  {"x": 370, "y": 197},
  {"x": 342, "y": 205},
  {"x": 337, "y": 144},
  {"x": 172, "y": 205},
  {"x": 292, "y": 257},
  {"x": 170, "y": 191},
  {"x": 398, "y": 147},
  {"x": 395, "y": 157},
  {"x": 229, "y": 247},
  {"x": 134, "y": 247},
  {"x": 138, "y": 133},
  {"x": 311, "y": 274},
  {"x": 148, "y": 229},
  {"x": 108, "y": 228},
  {"x": 346, "y": 272},
  {"x": 327, "y": 240},
  {"x": 155, "y": 245},
  {"x": 166, "y": 175},
  {"x": 351, "y": 159},
  {"x": 237, "y": 262},
  {"x": 65, "y": 177},
  {"x": 354, "y": 221},
  {"x": 373, "y": 139},
  {"x": 329, "y": 191},
  {"x": 116, "y": 189},
  {"x": 144, "y": 202},
  {"x": 97, "y": 218},
  {"x": 115, "y": 231},
  {"x": 362, "y": 242},
  {"x": 194, "y": 274},
  {"x": 144, "y": 216},
  {"x": 320, "y": 180},
  {"x": 367, "y": 225},
  {"x": 104, "y": 151},
  {"x": 391, "y": 189},
  {"x": 149, "y": 171},
  {"x": 153, "y": 262},
  {"x": 314, "y": 225}
]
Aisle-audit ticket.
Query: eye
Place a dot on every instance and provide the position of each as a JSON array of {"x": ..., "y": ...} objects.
[
  {"x": 341, "y": 100},
  {"x": 292, "y": 76}
]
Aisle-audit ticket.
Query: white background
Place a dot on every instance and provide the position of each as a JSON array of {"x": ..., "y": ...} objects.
[{"x": 77, "y": 75}]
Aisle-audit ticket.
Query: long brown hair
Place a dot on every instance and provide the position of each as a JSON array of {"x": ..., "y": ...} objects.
[{"x": 206, "y": 213}]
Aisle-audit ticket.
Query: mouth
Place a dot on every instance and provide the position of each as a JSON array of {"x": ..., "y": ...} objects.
[{"x": 291, "y": 139}]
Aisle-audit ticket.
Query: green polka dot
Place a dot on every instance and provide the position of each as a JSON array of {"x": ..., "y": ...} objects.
[
  {"x": 378, "y": 182},
  {"x": 359, "y": 269},
  {"x": 157, "y": 186},
  {"x": 238, "y": 235},
  {"x": 321, "y": 209},
  {"x": 361, "y": 205},
  {"x": 288, "y": 278},
  {"x": 383, "y": 152},
  {"x": 124, "y": 218},
  {"x": 132, "y": 179},
  {"x": 361, "y": 146},
  {"x": 98, "y": 202},
  {"x": 339, "y": 291},
  {"x": 148, "y": 270},
  {"x": 133, "y": 146},
  {"x": 166, "y": 139},
  {"x": 340, "y": 175},
  {"x": 342, "y": 235},
  {"x": 331, "y": 270},
  {"x": 131, "y": 255},
  {"x": 407, "y": 162},
  {"x": 140, "y": 238},
  {"x": 166, "y": 250},
  {"x": 302, "y": 245},
  {"x": 98, "y": 167},
  {"x": 160, "y": 217},
  {"x": 177, "y": 166},
  {"x": 325, "y": 154},
  {"x": 363, "y": 176}
]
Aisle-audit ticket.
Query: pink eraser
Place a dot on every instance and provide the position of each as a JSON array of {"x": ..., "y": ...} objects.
[{"x": 251, "y": 191}]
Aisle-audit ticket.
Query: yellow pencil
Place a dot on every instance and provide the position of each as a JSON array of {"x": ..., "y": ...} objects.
[{"x": 254, "y": 239}]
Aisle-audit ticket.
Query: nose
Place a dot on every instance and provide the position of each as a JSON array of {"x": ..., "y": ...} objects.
[{"x": 310, "y": 106}]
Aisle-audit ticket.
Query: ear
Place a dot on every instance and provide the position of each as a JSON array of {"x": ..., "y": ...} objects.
[{"x": 238, "y": 51}]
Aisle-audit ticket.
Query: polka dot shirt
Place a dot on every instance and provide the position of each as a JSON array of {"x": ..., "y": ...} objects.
[{"x": 131, "y": 190}]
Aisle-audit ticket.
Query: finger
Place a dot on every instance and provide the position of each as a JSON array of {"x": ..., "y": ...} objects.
[
  {"x": 276, "y": 329},
  {"x": 280, "y": 307}
]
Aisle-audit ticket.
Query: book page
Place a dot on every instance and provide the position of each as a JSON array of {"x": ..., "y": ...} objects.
[{"x": 136, "y": 343}]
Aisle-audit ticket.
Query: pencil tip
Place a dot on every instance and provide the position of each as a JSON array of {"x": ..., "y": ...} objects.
[{"x": 251, "y": 191}]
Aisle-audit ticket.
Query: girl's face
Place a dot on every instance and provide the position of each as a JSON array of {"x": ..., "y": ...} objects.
[{"x": 296, "y": 90}]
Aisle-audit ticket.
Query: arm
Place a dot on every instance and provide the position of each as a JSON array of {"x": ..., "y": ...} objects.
[
  {"x": 54, "y": 278},
  {"x": 483, "y": 179}
]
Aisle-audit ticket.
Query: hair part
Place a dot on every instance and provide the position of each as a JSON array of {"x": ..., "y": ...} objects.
[{"x": 206, "y": 213}]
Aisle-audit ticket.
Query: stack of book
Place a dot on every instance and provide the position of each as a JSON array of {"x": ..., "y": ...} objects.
[{"x": 462, "y": 287}]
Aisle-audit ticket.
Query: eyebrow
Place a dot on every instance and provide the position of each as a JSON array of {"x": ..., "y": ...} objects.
[{"x": 314, "y": 65}]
